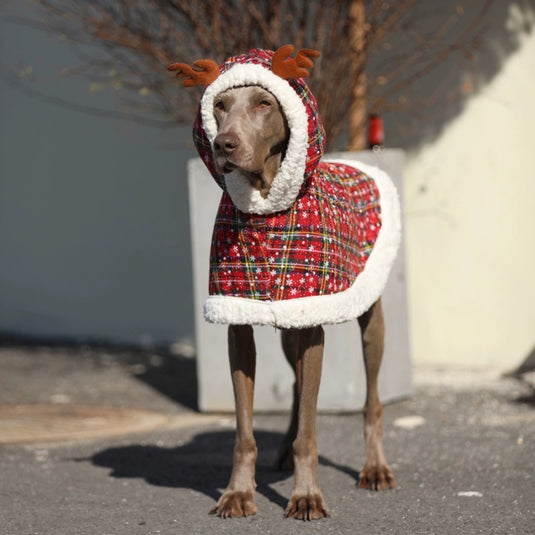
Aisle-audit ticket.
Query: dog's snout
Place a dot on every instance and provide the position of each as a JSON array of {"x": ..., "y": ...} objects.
[{"x": 226, "y": 143}]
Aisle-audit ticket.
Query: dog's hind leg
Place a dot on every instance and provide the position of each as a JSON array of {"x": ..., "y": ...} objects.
[
  {"x": 306, "y": 501},
  {"x": 376, "y": 474},
  {"x": 238, "y": 498}
]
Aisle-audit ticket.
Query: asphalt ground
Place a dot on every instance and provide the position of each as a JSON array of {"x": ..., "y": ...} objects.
[{"x": 462, "y": 449}]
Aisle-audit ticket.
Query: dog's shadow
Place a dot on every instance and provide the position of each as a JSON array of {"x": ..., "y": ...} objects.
[{"x": 202, "y": 465}]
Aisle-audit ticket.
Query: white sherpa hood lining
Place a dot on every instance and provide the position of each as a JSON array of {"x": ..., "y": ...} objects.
[{"x": 291, "y": 174}]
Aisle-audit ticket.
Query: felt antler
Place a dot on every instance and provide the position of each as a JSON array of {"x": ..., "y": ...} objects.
[
  {"x": 205, "y": 73},
  {"x": 297, "y": 67}
]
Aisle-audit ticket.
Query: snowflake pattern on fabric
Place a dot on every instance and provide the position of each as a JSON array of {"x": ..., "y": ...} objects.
[{"x": 318, "y": 247}]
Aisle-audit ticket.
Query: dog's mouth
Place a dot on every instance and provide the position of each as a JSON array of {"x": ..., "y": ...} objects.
[
  {"x": 224, "y": 166},
  {"x": 255, "y": 178},
  {"x": 228, "y": 167},
  {"x": 260, "y": 179}
]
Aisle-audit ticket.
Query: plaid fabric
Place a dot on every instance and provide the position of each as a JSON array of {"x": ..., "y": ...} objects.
[{"x": 318, "y": 247}]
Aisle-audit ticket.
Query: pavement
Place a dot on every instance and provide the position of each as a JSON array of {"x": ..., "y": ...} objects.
[{"x": 105, "y": 441}]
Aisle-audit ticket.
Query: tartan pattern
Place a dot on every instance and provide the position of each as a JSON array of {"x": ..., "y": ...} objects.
[
  {"x": 318, "y": 247},
  {"x": 200, "y": 139}
]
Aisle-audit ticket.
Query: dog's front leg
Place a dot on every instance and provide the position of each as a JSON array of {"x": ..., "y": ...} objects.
[
  {"x": 238, "y": 498},
  {"x": 306, "y": 501},
  {"x": 290, "y": 346}
]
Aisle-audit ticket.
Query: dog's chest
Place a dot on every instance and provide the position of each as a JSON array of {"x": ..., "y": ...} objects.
[{"x": 317, "y": 247}]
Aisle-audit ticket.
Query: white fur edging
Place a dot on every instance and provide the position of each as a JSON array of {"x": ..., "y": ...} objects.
[
  {"x": 286, "y": 184},
  {"x": 334, "y": 308}
]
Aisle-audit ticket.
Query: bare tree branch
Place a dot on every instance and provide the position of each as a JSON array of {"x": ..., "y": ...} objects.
[{"x": 125, "y": 46}]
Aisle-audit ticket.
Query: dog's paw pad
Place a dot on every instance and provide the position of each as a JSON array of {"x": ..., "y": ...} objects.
[
  {"x": 310, "y": 507},
  {"x": 235, "y": 504},
  {"x": 376, "y": 478}
]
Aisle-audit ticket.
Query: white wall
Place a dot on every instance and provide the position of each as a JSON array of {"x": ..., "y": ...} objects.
[
  {"x": 343, "y": 388},
  {"x": 470, "y": 223}
]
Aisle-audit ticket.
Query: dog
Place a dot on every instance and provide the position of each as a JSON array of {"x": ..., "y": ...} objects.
[{"x": 247, "y": 132}]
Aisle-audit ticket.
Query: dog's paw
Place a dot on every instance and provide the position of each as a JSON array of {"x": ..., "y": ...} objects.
[
  {"x": 376, "y": 477},
  {"x": 235, "y": 504},
  {"x": 311, "y": 507}
]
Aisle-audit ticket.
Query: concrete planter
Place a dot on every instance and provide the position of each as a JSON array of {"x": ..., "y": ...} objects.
[{"x": 343, "y": 382}]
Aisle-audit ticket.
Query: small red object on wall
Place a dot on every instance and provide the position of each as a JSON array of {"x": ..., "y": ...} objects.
[{"x": 376, "y": 133}]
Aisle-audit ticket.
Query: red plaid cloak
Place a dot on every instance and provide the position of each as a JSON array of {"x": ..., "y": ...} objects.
[{"x": 319, "y": 248}]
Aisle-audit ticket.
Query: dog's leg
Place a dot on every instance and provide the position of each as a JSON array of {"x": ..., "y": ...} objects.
[
  {"x": 306, "y": 501},
  {"x": 285, "y": 460},
  {"x": 238, "y": 498},
  {"x": 376, "y": 474}
]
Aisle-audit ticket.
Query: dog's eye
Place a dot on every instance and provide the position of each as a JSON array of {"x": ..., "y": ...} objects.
[
  {"x": 219, "y": 105},
  {"x": 264, "y": 104}
]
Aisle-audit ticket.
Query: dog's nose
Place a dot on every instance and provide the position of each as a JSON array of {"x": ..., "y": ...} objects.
[{"x": 226, "y": 143}]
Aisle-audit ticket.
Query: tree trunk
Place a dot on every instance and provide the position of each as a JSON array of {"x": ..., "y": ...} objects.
[{"x": 357, "y": 75}]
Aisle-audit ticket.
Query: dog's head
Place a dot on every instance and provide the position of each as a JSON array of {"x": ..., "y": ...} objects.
[
  {"x": 258, "y": 129},
  {"x": 252, "y": 135}
]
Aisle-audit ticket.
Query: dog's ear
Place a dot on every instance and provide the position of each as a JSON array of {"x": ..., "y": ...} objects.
[
  {"x": 205, "y": 73},
  {"x": 285, "y": 67}
]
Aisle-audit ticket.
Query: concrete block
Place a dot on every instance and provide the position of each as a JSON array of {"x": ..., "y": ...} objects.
[{"x": 343, "y": 382}]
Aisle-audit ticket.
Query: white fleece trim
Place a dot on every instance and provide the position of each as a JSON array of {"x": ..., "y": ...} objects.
[
  {"x": 287, "y": 182},
  {"x": 334, "y": 308}
]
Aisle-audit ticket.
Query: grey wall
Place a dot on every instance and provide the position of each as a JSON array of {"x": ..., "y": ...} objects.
[{"x": 94, "y": 234}]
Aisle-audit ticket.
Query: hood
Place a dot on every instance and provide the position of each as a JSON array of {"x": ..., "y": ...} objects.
[{"x": 305, "y": 145}]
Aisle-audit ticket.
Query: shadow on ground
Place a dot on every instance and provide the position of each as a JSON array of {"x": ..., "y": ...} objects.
[
  {"x": 525, "y": 373},
  {"x": 172, "y": 375},
  {"x": 167, "y": 372},
  {"x": 203, "y": 464}
]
